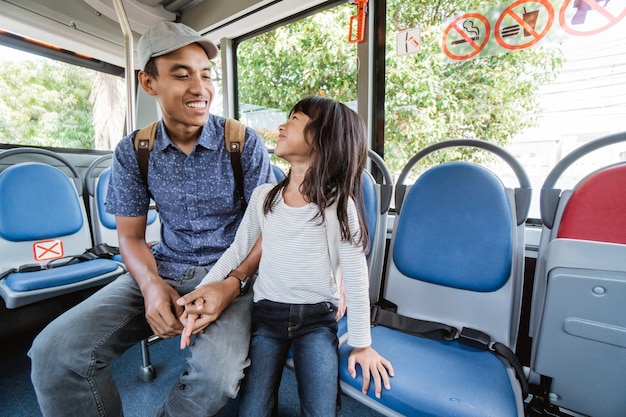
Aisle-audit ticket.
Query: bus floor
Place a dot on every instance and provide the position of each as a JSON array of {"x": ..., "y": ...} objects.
[{"x": 17, "y": 397}]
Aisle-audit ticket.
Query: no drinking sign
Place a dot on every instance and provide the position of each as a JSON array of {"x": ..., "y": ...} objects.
[{"x": 525, "y": 23}]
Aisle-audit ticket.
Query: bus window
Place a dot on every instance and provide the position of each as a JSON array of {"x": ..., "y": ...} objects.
[
  {"x": 217, "y": 105},
  {"x": 49, "y": 103},
  {"x": 307, "y": 57},
  {"x": 454, "y": 71}
]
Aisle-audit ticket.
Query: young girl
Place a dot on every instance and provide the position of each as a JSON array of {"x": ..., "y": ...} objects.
[{"x": 296, "y": 292}]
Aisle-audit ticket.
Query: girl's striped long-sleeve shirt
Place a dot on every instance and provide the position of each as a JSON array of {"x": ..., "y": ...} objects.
[{"x": 295, "y": 264}]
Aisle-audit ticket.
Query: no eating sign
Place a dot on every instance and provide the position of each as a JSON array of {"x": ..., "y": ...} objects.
[{"x": 525, "y": 23}]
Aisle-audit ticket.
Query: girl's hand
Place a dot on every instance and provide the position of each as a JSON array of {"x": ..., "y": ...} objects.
[
  {"x": 373, "y": 366},
  {"x": 204, "y": 305},
  {"x": 185, "y": 336},
  {"x": 188, "y": 320}
]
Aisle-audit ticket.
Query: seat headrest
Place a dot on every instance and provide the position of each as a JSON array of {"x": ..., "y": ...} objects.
[
  {"x": 37, "y": 201},
  {"x": 596, "y": 209},
  {"x": 455, "y": 229}
]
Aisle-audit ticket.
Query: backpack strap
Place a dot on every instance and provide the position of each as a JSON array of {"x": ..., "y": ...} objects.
[
  {"x": 144, "y": 141},
  {"x": 235, "y": 136}
]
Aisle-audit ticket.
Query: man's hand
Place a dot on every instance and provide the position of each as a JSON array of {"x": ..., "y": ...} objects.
[
  {"x": 162, "y": 312},
  {"x": 204, "y": 305}
]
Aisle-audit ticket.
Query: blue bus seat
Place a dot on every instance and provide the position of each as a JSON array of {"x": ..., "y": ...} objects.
[
  {"x": 278, "y": 173},
  {"x": 43, "y": 220},
  {"x": 578, "y": 356},
  {"x": 377, "y": 196},
  {"x": 103, "y": 225},
  {"x": 456, "y": 257}
]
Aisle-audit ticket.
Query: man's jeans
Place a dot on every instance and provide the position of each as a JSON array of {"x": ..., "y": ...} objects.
[
  {"x": 311, "y": 331},
  {"x": 71, "y": 356}
]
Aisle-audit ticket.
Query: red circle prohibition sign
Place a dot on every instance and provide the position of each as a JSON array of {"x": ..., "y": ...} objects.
[
  {"x": 466, "y": 38},
  {"x": 536, "y": 36},
  {"x": 611, "y": 19}
]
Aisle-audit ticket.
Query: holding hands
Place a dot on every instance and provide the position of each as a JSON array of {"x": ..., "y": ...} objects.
[
  {"x": 203, "y": 306},
  {"x": 189, "y": 322}
]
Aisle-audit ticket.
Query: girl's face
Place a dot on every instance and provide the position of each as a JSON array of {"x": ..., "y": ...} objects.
[{"x": 292, "y": 145}]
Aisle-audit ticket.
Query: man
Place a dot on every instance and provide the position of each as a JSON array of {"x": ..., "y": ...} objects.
[{"x": 192, "y": 182}]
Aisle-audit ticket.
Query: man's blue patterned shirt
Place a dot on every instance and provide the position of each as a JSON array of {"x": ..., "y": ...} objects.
[{"x": 196, "y": 195}]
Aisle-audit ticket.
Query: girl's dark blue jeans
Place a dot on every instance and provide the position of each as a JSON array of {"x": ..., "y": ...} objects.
[{"x": 311, "y": 332}]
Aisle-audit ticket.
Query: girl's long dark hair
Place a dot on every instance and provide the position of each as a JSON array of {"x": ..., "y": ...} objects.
[{"x": 338, "y": 146}]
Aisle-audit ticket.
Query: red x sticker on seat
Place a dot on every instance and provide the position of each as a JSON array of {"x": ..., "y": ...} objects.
[{"x": 47, "y": 250}]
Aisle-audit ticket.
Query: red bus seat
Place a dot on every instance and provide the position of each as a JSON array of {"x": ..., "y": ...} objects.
[{"x": 578, "y": 317}]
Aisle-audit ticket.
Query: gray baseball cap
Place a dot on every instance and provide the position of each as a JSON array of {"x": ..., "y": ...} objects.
[{"x": 166, "y": 37}]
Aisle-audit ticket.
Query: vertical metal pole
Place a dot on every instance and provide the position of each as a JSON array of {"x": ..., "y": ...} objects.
[
  {"x": 229, "y": 106},
  {"x": 130, "y": 69}
]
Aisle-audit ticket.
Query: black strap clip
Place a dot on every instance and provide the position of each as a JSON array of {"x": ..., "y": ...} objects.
[{"x": 475, "y": 338}]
